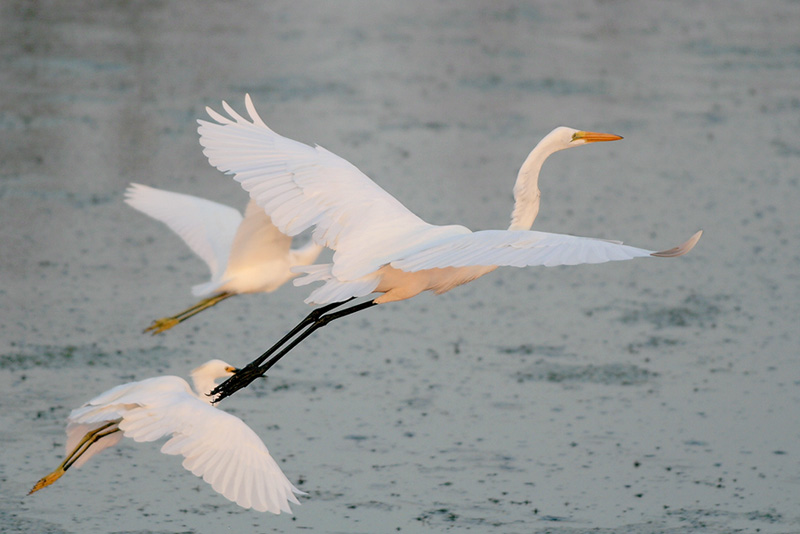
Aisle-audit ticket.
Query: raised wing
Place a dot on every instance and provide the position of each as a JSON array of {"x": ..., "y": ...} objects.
[
  {"x": 207, "y": 227},
  {"x": 301, "y": 187},
  {"x": 523, "y": 248}
]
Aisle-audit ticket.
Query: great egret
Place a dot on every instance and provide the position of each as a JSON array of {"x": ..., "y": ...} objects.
[
  {"x": 380, "y": 246},
  {"x": 216, "y": 446},
  {"x": 245, "y": 255}
]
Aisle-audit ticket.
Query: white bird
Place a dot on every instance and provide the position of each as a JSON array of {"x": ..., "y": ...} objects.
[
  {"x": 216, "y": 445},
  {"x": 245, "y": 255},
  {"x": 380, "y": 246}
]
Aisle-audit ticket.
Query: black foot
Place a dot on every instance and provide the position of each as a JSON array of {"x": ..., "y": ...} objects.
[{"x": 240, "y": 379}]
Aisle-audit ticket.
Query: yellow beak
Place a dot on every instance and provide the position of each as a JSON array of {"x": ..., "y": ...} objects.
[{"x": 594, "y": 137}]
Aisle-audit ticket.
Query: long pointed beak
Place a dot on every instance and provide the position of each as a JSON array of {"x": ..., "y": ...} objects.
[
  {"x": 232, "y": 369},
  {"x": 595, "y": 137}
]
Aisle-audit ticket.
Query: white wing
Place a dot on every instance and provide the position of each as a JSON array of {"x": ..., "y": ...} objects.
[
  {"x": 257, "y": 241},
  {"x": 102, "y": 409},
  {"x": 207, "y": 227},
  {"x": 518, "y": 248},
  {"x": 334, "y": 290},
  {"x": 299, "y": 187},
  {"x": 217, "y": 446},
  {"x": 488, "y": 248},
  {"x": 525, "y": 248}
]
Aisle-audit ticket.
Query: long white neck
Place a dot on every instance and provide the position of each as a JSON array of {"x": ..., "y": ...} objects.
[{"x": 526, "y": 189}]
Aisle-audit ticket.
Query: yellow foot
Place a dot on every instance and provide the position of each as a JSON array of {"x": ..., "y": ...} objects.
[
  {"x": 49, "y": 479},
  {"x": 160, "y": 325}
]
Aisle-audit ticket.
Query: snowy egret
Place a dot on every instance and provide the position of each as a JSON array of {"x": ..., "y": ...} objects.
[
  {"x": 245, "y": 255},
  {"x": 216, "y": 446},
  {"x": 380, "y": 246}
]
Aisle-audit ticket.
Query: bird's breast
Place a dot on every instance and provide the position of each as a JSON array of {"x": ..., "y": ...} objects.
[{"x": 397, "y": 285}]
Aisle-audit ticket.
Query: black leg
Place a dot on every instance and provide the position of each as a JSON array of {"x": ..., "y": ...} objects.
[
  {"x": 313, "y": 321},
  {"x": 311, "y": 318},
  {"x": 319, "y": 323}
]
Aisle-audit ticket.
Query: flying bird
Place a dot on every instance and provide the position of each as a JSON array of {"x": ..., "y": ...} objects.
[
  {"x": 245, "y": 255},
  {"x": 381, "y": 246},
  {"x": 216, "y": 446}
]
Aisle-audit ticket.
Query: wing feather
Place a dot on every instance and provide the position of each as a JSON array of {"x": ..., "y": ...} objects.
[
  {"x": 333, "y": 292},
  {"x": 207, "y": 227},
  {"x": 227, "y": 454},
  {"x": 257, "y": 242},
  {"x": 517, "y": 249},
  {"x": 329, "y": 192}
]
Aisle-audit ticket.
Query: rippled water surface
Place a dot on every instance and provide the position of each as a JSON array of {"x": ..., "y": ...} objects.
[{"x": 644, "y": 396}]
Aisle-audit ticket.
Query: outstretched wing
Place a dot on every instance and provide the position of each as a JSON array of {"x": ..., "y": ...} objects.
[
  {"x": 207, "y": 227},
  {"x": 523, "y": 248},
  {"x": 299, "y": 187},
  {"x": 216, "y": 445}
]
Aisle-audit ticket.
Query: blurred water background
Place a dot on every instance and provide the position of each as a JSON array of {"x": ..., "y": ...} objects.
[{"x": 644, "y": 396}]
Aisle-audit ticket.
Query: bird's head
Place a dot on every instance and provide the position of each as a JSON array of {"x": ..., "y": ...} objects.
[
  {"x": 205, "y": 376},
  {"x": 564, "y": 137},
  {"x": 526, "y": 190}
]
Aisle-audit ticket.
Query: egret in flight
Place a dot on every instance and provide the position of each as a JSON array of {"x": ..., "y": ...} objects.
[
  {"x": 381, "y": 246},
  {"x": 245, "y": 255},
  {"x": 216, "y": 446}
]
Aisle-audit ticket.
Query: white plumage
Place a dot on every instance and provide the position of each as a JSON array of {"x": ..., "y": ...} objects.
[
  {"x": 380, "y": 246},
  {"x": 216, "y": 446},
  {"x": 244, "y": 254}
]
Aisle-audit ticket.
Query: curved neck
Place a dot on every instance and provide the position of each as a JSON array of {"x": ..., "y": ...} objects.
[{"x": 526, "y": 189}]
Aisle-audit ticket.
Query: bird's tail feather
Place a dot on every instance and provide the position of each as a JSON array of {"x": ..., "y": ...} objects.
[{"x": 333, "y": 290}]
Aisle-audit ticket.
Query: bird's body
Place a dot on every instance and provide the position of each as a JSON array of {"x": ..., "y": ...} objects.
[
  {"x": 216, "y": 446},
  {"x": 244, "y": 254},
  {"x": 261, "y": 259},
  {"x": 397, "y": 284},
  {"x": 379, "y": 245}
]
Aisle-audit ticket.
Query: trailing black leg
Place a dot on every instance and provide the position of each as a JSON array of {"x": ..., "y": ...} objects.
[{"x": 313, "y": 321}]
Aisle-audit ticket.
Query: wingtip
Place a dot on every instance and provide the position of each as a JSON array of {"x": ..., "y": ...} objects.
[
  {"x": 680, "y": 250},
  {"x": 251, "y": 110},
  {"x": 133, "y": 190}
]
